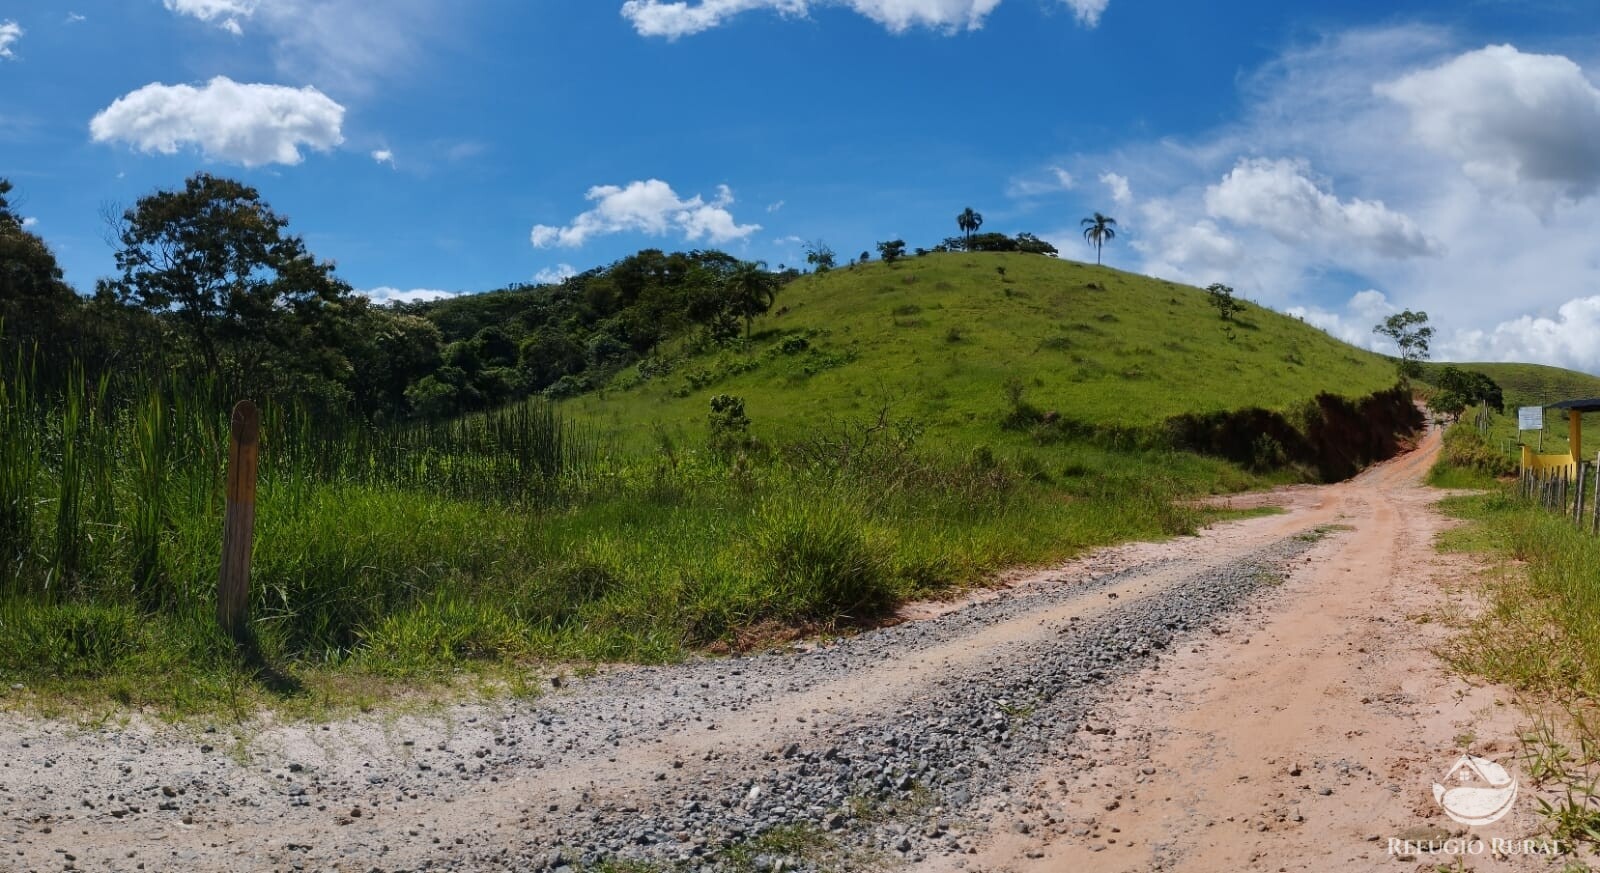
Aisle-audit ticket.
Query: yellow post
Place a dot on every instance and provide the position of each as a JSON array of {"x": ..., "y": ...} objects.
[{"x": 1575, "y": 433}]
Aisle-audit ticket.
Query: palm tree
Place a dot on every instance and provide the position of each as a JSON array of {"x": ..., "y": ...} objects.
[
  {"x": 752, "y": 290},
  {"x": 969, "y": 221},
  {"x": 1098, "y": 231}
]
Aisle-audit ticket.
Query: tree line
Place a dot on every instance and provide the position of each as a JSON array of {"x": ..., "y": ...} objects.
[{"x": 212, "y": 286}]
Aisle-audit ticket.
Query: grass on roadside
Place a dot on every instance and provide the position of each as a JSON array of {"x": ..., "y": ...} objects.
[{"x": 1536, "y": 632}]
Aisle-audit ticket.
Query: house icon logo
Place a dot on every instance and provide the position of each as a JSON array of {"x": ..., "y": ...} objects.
[{"x": 1476, "y": 791}]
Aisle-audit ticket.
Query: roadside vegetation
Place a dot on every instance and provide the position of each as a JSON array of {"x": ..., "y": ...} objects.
[
  {"x": 1539, "y": 594},
  {"x": 676, "y": 453}
]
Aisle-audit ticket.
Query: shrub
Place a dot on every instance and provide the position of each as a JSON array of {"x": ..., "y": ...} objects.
[
  {"x": 730, "y": 427},
  {"x": 1465, "y": 448},
  {"x": 820, "y": 566}
]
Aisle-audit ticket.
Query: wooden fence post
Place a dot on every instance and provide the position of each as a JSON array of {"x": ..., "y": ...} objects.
[
  {"x": 238, "y": 526},
  {"x": 1577, "y": 492},
  {"x": 1594, "y": 525}
]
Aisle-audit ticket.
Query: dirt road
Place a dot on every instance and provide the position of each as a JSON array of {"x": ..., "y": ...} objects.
[{"x": 1261, "y": 697}]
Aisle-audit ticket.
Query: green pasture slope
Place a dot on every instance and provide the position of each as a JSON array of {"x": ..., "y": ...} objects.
[{"x": 936, "y": 338}]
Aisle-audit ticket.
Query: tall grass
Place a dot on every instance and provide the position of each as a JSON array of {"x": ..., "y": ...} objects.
[
  {"x": 1538, "y": 632},
  {"x": 423, "y": 550}
]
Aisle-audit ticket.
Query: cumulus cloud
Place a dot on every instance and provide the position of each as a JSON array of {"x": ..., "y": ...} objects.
[
  {"x": 383, "y": 156},
  {"x": 774, "y": 207},
  {"x": 10, "y": 32},
  {"x": 228, "y": 121},
  {"x": 74, "y": 18},
  {"x": 555, "y": 275},
  {"x": 649, "y": 207},
  {"x": 673, "y": 19},
  {"x": 1511, "y": 119},
  {"x": 1176, "y": 246},
  {"x": 29, "y": 221},
  {"x": 1121, "y": 192},
  {"x": 386, "y": 294},
  {"x": 1278, "y": 197},
  {"x": 1352, "y": 323},
  {"x": 1566, "y": 340},
  {"x": 1052, "y": 180},
  {"x": 343, "y": 45}
]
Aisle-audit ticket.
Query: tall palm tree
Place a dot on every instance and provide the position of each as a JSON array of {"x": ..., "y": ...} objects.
[
  {"x": 969, "y": 221},
  {"x": 1098, "y": 231},
  {"x": 752, "y": 289}
]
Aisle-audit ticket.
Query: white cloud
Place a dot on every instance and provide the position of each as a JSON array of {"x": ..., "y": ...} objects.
[
  {"x": 649, "y": 207},
  {"x": 29, "y": 221},
  {"x": 1088, "y": 11},
  {"x": 1278, "y": 197},
  {"x": 774, "y": 207},
  {"x": 342, "y": 45},
  {"x": 74, "y": 18},
  {"x": 228, "y": 121},
  {"x": 555, "y": 275},
  {"x": 1052, "y": 180},
  {"x": 386, "y": 294},
  {"x": 383, "y": 156},
  {"x": 1353, "y": 323},
  {"x": 1567, "y": 340},
  {"x": 1512, "y": 120},
  {"x": 223, "y": 13},
  {"x": 1121, "y": 192},
  {"x": 678, "y": 18},
  {"x": 10, "y": 32},
  {"x": 1193, "y": 251},
  {"x": 1404, "y": 143}
]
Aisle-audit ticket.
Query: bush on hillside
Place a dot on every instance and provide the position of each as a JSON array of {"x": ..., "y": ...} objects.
[{"x": 1466, "y": 449}]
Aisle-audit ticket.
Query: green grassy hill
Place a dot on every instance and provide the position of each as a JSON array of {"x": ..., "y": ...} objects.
[
  {"x": 1533, "y": 384},
  {"x": 939, "y": 336}
]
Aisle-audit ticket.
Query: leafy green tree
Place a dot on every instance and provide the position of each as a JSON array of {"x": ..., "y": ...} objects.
[
  {"x": 819, "y": 256},
  {"x": 1450, "y": 403},
  {"x": 892, "y": 251},
  {"x": 969, "y": 221},
  {"x": 751, "y": 291},
  {"x": 247, "y": 300},
  {"x": 1027, "y": 242},
  {"x": 990, "y": 242},
  {"x": 1411, "y": 335},
  {"x": 392, "y": 350},
  {"x": 1099, "y": 230},
  {"x": 34, "y": 297},
  {"x": 1471, "y": 386},
  {"x": 550, "y": 354},
  {"x": 1222, "y": 299}
]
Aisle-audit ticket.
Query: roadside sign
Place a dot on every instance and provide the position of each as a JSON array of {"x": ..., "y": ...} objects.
[{"x": 1530, "y": 418}]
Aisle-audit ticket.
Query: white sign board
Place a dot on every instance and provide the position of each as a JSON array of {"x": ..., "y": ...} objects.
[{"x": 1530, "y": 418}]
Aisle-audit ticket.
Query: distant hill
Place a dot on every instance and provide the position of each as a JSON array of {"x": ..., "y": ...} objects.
[
  {"x": 946, "y": 338},
  {"x": 1531, "y": 384}
]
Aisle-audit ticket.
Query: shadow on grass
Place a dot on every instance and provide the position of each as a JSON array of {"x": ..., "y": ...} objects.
[{"x": 261, "y": 668}]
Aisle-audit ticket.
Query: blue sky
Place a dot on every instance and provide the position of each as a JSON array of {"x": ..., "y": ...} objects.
[{"x": 1337, "y": 160}]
